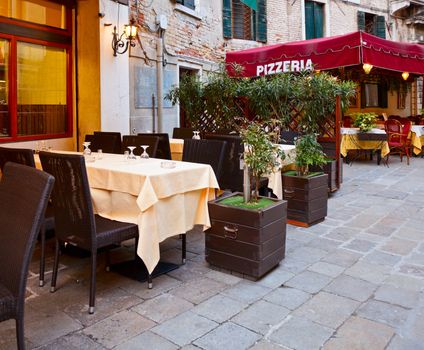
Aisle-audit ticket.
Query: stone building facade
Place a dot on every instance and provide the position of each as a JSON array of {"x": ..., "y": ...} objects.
[{"x": 191, "y": 39}]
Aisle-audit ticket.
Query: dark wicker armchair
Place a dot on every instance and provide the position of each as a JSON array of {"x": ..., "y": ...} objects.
[
  {"x": 108, "y": 142},
  {"x": 74, "y": 216},
  {"x": 182, "y": 133},
  {"x": 24, "y": 193},
  {"x": 164, "y": 150},
  {"x": 25, "y": 156}
]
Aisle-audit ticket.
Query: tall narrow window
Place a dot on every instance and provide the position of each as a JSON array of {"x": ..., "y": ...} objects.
[
  {"x": 373, "y": 24},
  {"x": 4, "y": 89},
  {"x": 187, "y": 3},
  {"x": 41, "y": 89},
  {"x": 240, "y": 21},
  {"x": 314, "y": 20}
]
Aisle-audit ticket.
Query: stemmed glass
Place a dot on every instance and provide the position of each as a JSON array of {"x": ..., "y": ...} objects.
[
  {"x": 131, "y": 155},
  {"x": 144, "y": 155},
  {"x": 87, "y": 150},
  {"x": 196, "y": 135}
]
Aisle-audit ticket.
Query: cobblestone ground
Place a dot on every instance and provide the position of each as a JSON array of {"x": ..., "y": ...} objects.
[{"x": 354, "y": 281}]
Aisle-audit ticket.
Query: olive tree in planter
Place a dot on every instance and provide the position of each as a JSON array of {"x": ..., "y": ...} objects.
[
  {"x": 249, "y": 237},
  {"x": 305, "y": 191}
]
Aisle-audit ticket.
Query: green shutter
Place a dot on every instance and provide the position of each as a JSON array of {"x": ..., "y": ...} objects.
[
  {"x": 261, "y": 32},
  {"x": 227, "y": 19},
  {"x": 361, "y": 21},
  {"x": 309, "y": 20},
  {"x": 380, "y": 27},
  {"x": 318, "y": 20}
]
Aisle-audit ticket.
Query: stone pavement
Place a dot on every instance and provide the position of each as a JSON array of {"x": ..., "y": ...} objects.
[{"x": 354, "y": 281}]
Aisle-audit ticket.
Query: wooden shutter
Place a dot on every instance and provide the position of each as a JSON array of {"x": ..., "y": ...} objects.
[
  {"x": 361, "y": 21},
  {"x": 261, "y": 32},
  {"x": 226, "y": 19},
  {"x": 363, "y": 96},
  {"x": 380, "y": 27},
  {"x": 318, "y": 20},
  {"x": 309, "y": 20}
]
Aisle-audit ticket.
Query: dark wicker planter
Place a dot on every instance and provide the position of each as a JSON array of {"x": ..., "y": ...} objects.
[
  {"x": 306, "y": 199},
  {"x": 247, "y": 241}
]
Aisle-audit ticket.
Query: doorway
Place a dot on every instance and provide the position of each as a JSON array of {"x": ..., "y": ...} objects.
[{"x": 184, "y": 71}]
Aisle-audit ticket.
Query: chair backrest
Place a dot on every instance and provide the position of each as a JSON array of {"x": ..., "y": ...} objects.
[
  {"x": 287, "y": 137},
  {"x": 182, "y": 133},
  {"x": 210, "y": 152},
  {"x": 395, "y": 131},
  {"x": 137, "y": 141},
  {"x": 24, "y": 194},
  {"x": 232, "y": 176},
  {"x": 73, "y": 209},
  {"x": 108, "y": 142},
  {"x": 164, "y": 149},
  {"x": 22, "y": 156}
]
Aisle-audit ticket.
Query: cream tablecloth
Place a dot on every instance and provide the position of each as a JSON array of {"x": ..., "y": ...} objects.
[
  {"x": 162, "y": 202},
  {"x": 275, "y": 182}
]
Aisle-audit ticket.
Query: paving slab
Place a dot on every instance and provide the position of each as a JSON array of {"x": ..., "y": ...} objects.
[
  {"x": 403, "y": 343},
  {"x": 342, "y": 257},
  {"x": 163, "y": 307},
  {"x": 382, "y": 258},
  {"x": 290, "y": 298},
  {"x": 219, "y": 308},
  {"x": 247, "y": 291},
  {"x": 301, "y": 334},
  {"x": 327, "y": 269},
  {"x": 369, "y": 272},
  {"x": 147, "y": 341},
  {"x": 399, "y": 246},
  {"x": 74, "y": 341},
  {"x": 184, "y": 328},
  {"x": 378, "y": 311},
  {"x": 228, "y": 336},
  {"x": 360, "y": 245},
  {"x": 261, "y": 316},
  {"x": 351, "y": 287},
  {"x": 309, "y": 281},
  {"x": 327, "y": 309},
  {"x": 397, "y": 296},
  {"x": 360, "y": 334},
  {"x": 118, "y": 328},
  {"x": 198, "y": 290}
]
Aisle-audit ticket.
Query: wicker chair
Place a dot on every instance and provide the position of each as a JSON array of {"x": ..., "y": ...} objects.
[
  {"x": 232, "y": 176},
  {"x": 108, "y": 142},
  {"x": 164, "y": 150},
  {"x": 397, "y": 136},
  {"x": 25, "y": 156},
  {"x": 24, "y": 193},
  {"x": 137, "y": 141},
  {"x": 74, "y": 217},
  {"x": 182, "y": 133}
]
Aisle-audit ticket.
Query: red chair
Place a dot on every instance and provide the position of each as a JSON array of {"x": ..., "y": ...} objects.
[
  {"x": 397, "y": 137},
  {"x": 347, "y": 121}
]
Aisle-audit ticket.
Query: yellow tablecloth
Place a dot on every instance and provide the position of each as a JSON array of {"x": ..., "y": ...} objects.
[
  {"x": 351, "y": 142},
  {"x": 162, "y": 202},
  {"x": 177, "y": 146},
  {"x": 417, "y": 138}
]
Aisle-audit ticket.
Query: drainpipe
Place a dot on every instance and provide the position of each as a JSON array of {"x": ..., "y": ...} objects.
[{"x": 159, "y": 79}]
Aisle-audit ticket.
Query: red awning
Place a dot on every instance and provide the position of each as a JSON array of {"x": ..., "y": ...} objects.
[{"x": 329, "y": 53}]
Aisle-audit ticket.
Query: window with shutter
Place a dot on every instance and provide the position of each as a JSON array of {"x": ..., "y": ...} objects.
[
  {"x": 380, "y": 28},
  {"x": 314, "y": 20},
  {"x": 187, "y": 3},
  {"x": 240, "y": 21},
  {"x": 372, "y": 24}
]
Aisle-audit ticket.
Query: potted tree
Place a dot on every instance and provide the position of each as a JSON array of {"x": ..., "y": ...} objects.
[
  {"x": 305, "y": 191},
  {"x": 249, "y": 235}
]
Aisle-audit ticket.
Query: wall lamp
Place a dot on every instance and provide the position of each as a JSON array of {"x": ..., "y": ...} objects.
[
  {"x": 405, "y": 75},
  {"x": 129, "y": 33},
  {"x": 367, "y": 68}
]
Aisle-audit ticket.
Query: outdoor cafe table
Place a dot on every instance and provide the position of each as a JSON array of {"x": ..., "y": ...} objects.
[
  {"x": 417, "y": 138},
  {"x": 163, "y": 202},
  {"x": 350, "y": 141}
]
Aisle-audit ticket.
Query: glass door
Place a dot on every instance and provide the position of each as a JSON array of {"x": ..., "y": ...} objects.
[{"x": 4, "y": 88}]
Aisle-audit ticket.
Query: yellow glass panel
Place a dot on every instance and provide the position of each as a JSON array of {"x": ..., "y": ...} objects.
[
  {"x": 41, "y": 90},
  {"x": 35, "y": 11},
  {"x": 4, "y": 89}
]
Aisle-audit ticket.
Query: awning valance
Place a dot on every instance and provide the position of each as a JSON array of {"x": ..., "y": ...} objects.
[{"x": 329, "y": 53}]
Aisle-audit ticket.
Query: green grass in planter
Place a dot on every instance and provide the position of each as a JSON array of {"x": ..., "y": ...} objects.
[
  {"x": 238, "y": 201},
  {"x": 311, "y": 174}
]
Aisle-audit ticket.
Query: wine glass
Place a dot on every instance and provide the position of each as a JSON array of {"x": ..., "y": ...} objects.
[
  {"x": 87, "y": 150},
  {"x": 196, "y": 135},
  {"x": 131, "y": 155},
  {"x": 144, "y": 155}
]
